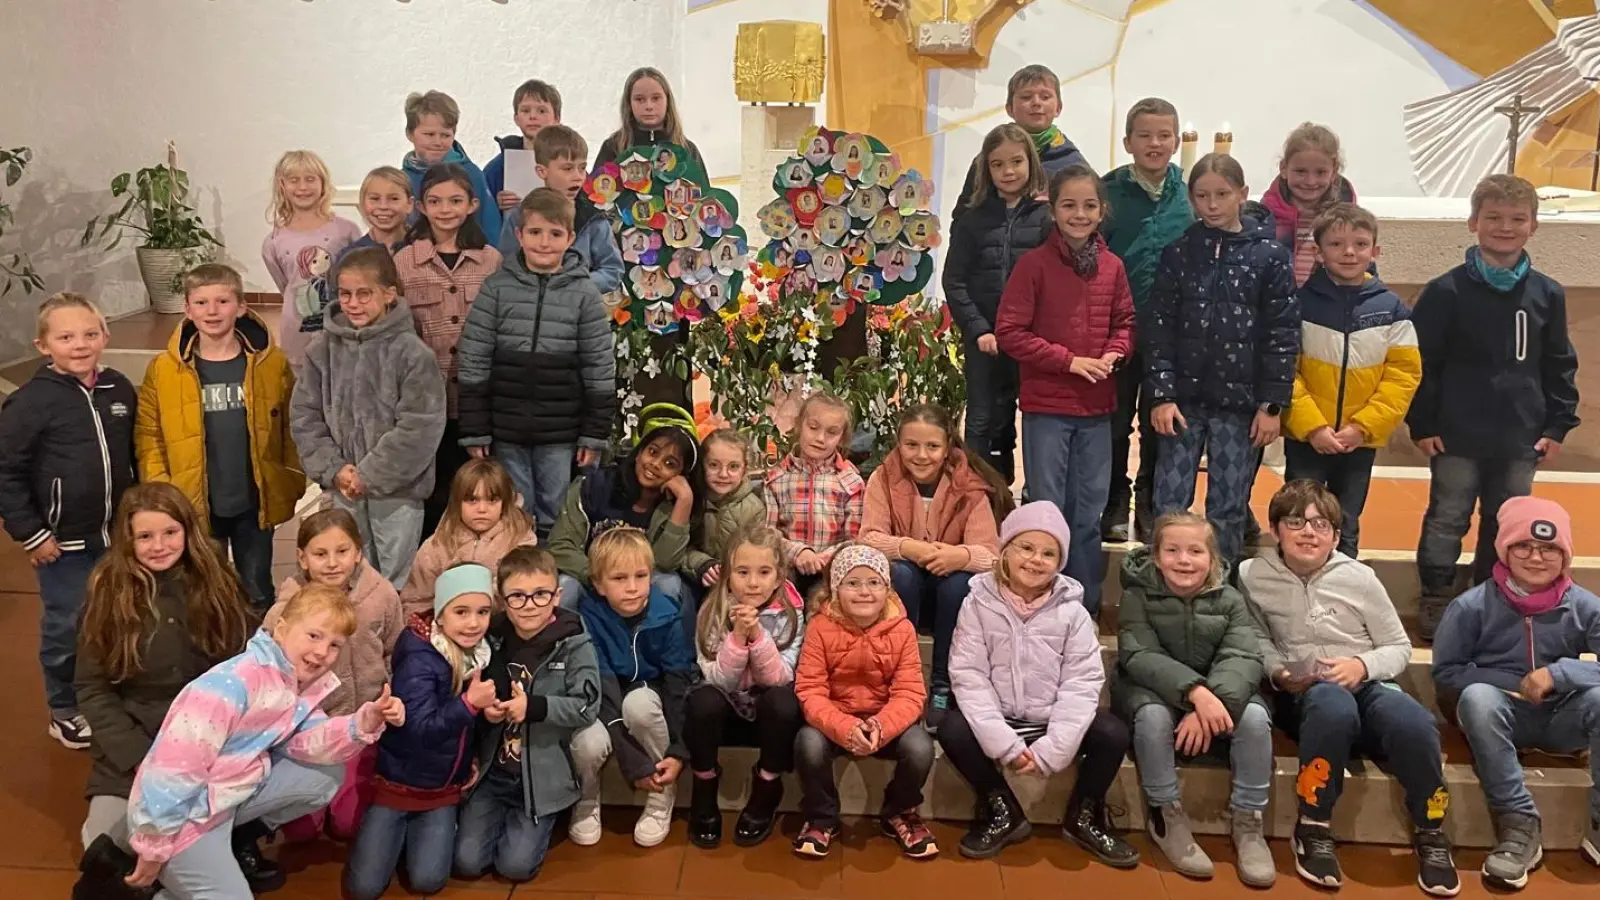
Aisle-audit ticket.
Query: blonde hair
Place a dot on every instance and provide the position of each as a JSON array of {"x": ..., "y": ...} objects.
[
  {"x": 999, "y": 136},
  {"x": 612, "y": 547},
  {"x": 209, "y": 274},
  {"x": 382, "y": 173},
  {"x": 66, "y": 300},
  {"x": 711, "y": 625},
  {"x": 1186, "y": 519},
  {"x": 488, "y": 475},
  {"x": 314, "y": 599},
  {"x": 671, "y": 127},
  {"x": 1311, "y": 136},
  {"x": 281, "y": 210},
  {"x": 1503, "y": 188},
  {"x": 432, "y": 103},
  {"x": 825, "y": 400}
]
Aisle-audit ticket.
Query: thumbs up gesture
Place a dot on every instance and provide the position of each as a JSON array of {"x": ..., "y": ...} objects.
[
  {"x": 480, "y": 692},
  {"x": 386, "y": 710},
  {"x": 517, "y": 707}
]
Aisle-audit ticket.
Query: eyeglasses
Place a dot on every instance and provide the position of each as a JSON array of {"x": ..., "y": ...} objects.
[
  {"x": 519, "y": 599},
  {"x": 1318, "y": 524},
  {"x": 870, "y": 585},
  {"x": 1527, "y": 549},
  {"x": 1048, "y": 554}
]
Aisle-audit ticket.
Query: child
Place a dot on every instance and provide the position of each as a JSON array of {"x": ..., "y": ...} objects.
[
  {"x": 534, "y": 107},
  {"x": 328, "y": 552},
  {"x": 859, "y": 681},
  {"x": 1358, "y": 367},
  {"x": 1026, "y": 669},
  {"x": 538, "y": 375},
  {"x": 243, "y": 749},
  {"x": 559, "y": 158},
  {"x": 162, "y": 608},
  {"x": 1009, "y": 218},
  {"x": 368, "y": 411},
  {"x": 1333, "y": 647},
  {"x": 1149, "y": 209},
  {"x": 1033, "y": 101},
  {"x": 545, "y": 665},
  {"x": 445, "y": 261},
  {"x": 386, "y": 206},
  {"x": 214, "y": 420},
  {"x": 732, "y": 505},
  {"x": 647, "y": 489},
  {"x": 1507, "y": 658},
  {"x": 1067, "y": 319},
  {"x": 815, "y": 495},
  {"x": 483, "y": 523},
  {"x": 1308, "y": 183},
  {"x": 649, "y": 116},
  {"x": 299, "y": 251},
  {"x": 646, "y": 668},
  {"x": 930, "y": 508},
  {"x": 1499, "y": 391},
  {"x": 747, "y": 639},
  {"x": 431, "y": 120},
  {"x": 1188, "y": 663},
  {"x": 425, "y": 762},
  {"x": 1219, "y": 354},
  {"x": 66, "y": 456}
]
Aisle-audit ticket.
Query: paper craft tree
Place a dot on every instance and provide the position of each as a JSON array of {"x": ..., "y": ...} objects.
[{"x": 683, "y": 255}]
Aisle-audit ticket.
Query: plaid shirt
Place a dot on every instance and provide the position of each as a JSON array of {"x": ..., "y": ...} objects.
[
  {"x": 815, "y": 507},
  {"x": 439, "y": 298}
]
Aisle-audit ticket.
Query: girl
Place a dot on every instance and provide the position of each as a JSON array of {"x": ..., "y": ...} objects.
[
  {"x": 484, "y": 522},
  {"x": 161, "y": 610},
  {"x": 649, "y": 116},
  {"x": 747, "y": 639},
  {"x": 814, "y": 495},
  {"x": 1026, "y": 671},
  {"x": 859, "y": 681},
  {"x": 306, "y": 237},
  {"x": 732, "y": 504},
  {"x": 1308, "y": 182},
  {"x": 930, "y": 509},
  {"x": 1188, "y": 664},
  {"x": 368, "y": 409},
  {"x": 1006, "y": 218},
  {"x": 328, "y": 552},
  {"x": 1067, "y": 318},
  {"x": 442, "y": 266},
  {"x": 243, "y": 749},
  {"x": 425, "y": 761},
  {"x": 1220, "y": 337},
  {"x": 385, "y": 205}
]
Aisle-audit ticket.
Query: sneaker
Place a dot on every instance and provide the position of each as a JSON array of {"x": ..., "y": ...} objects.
[
  {"x": 1168, "y": 827},
  {"x": 655, "y": 822},
  {"x": 914, "y": 838},
  {"x": 1088, "y": 824},
  {"x": 73, "y": 731},
  {"x": 1518, "y": 850},
  {"x": 584, "y": 829},
  {"x": 938, "y": 707},
  {"x": 814, "y": 840},
  {"x": 1590, "y": 848},
  {"x": 1314, "y": 854},
  {"x": 1436, "y": 869},
  {"x": 1430, "y": 609},
  {"x": 997, "y": 823},
  {"x": 262, "y": 874},
  {"x": 760, "y": 811},
  {"x": 1256, "y": 867}
]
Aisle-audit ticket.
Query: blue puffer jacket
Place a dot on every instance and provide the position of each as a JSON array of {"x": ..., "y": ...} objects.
[
  {"x": 1221, "y": 329},
  {"x": 1482, "y": 638},
  {"x": 434, "y": 748},
  {"x": 488, "y": 211},
  {"x": 654, "y": 652}
]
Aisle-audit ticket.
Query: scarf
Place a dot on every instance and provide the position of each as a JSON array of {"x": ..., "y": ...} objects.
[
  {"x": 473, "y": 660},
  {"x": 1024, "y": 609},
  {"x": 1154, "y": 191},
  {"x": 1532, "y": 603},
  {"x": 1044, "y": 140},
  {"x": 1086, "y": 259},
  {"x": 1502, "y": 280}
]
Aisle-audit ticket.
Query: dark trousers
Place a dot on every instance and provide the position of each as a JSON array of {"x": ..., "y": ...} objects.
[
  {"x": 1386, "y": 724},
  {"x": 1100, "y": 756},
  {"x": 991, "y": 422},
  {"x": 251, "y": 548},
  {"x": 1459, "y": 483},
  {"x": 814, "y": 754},
  {"x": 450, "y": 457},
  {"x": 1124, "y": 491},
  {"x": 1347, "y": 475},
  {"x": 918, "y": 587},
  {"x": 712, "y": 723}
]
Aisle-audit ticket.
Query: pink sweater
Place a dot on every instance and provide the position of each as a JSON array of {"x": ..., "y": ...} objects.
[
  {"x": 295, "y": 259},
  {"x": 433, "y": 557},
  {"x": 363, "y": 664}
]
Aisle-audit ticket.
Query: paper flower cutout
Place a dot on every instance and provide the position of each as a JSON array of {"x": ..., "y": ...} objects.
[
  {"x": 800, "y": 281},
  {"x": 646, "y": 211},
  {"x": 804, "y": 240},
  {"x": 658, "y": 318},
  {"x": 603, "y": 186},
  {"x": 650, "y": 283},
  {"x": 640, "y": 246},
  {"x": 828, "y": 265},
  {"x": 728, "y": 254},
  {"x": 795, "y": 173},
  {"x": 775, "y": 260},
  {"x": 884, "y": 170},
  {"x": 667, "y": 164},
  {"x": 714, "y": 291},
  {"x": 851, "y": 155},
  {"x": 777, "y": 219},
  {"x": 637, "y": 173},
  {"x": 712, "y": 217},
  {"x": 681, "y": 196},
  {"x": 859, "y": 250},
  {"x": 885, "y": 227},
  {"x": 834, "y": 189},
  {"x": 689, "y": 307},
  {"x": 898, "y": 262},
  {"x": 921, "y": 231},
  {"x": 833, "y": 223},
  {"x": 806, "y": 205},
  {"x": 816, "y": 145},
  {"x": 841, "y": 305},
  {"x": 690, "y": 266},
  {"x": 616, "y": 304},
  {"x": 911, "y": 193},
  {"x": 863, "y": 284},
  {"x": 681, "y": 232},
  {"x": 866, "y": 202}
]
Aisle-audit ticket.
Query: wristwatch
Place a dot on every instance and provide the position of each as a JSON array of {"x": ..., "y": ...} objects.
[{"x": 1272, "y": 409}]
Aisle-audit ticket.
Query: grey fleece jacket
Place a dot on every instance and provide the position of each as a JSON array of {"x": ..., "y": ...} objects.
[
  {"x": 373, "y": 398},
  {"x": 1342, "y": 610}
]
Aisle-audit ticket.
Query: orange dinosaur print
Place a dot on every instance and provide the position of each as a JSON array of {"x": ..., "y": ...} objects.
[{"x": 1313, "y": 778}]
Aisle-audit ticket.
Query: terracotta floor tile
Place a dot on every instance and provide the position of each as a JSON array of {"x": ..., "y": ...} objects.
[
  {"x": 876, "y": 868},
  {"x": 1041, "y": 867},
  {"x": 770, "y": 870},
  {"x": 28, "y": 884},
  {"x": 615, "y": 864}
]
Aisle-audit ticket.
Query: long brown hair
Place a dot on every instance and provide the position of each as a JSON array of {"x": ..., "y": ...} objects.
[
  {"x": 711, "y": 625},
  {"x": 671, "y": 127},
  {"x": 1009, "y": 133},
  {"x": 492, "y": 477},
  {"x": 1000, "y": 500},
  {"x": 120, "y": 609}
]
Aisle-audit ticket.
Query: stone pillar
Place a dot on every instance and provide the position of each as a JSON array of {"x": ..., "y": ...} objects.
[{"x": 769, "y": 134}]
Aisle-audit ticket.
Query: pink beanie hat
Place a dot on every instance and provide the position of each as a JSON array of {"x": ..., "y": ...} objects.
[
  {"x": 855, "y": 556},
  {"x": 1534, "y": 519},
  {"x": 1040, "y": 515}
]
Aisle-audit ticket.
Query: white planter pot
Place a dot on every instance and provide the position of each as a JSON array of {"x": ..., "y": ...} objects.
[{"x": 159, "y": 268}]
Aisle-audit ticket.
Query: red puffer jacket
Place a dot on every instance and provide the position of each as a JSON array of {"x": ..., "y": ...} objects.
[{"x": 1049, "y": 315}]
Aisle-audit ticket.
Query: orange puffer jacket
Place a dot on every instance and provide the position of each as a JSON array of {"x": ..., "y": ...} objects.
[{"x": 847, "y": 674}]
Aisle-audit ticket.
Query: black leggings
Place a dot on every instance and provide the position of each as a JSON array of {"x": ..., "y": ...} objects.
[
  {"x": 713, "y": 722},
  {"x": 1100, "y": 756}
]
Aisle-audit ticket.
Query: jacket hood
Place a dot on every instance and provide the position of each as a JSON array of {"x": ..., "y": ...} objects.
[
  {"x": 1139, "y": 570},
  {"x": 512, "y": 142},
  {"x": 396, "y": 323},
  {"x": 565, "y": 625},
  {"x": 983, "y": 589},
  {"x": 253, "y": 334},
  {"x": 1322, "y": 284},
  {"x": 572, "y": 270},
  {"x": 456, "y": 154}
]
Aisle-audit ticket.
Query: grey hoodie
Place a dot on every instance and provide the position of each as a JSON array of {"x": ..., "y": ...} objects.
[
  {"x": 373, "y": 398},
  {"x": 1342, "y": 610}
]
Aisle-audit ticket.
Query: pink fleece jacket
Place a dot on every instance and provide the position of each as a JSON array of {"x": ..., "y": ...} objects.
[{"x": 435, "y": 555}]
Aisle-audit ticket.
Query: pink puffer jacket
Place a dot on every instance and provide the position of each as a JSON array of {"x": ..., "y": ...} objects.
[{"x": 1045, "y": 669}]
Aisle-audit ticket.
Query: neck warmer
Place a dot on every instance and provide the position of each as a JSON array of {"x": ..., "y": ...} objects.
[
  {"x": 1024, "y": 608},
  {"x": 473, "y": 660},
  {"x": 1534, "y": 603},
  {"x": 1502, "y": 280},
  {"x": 1046, "y": 139}
]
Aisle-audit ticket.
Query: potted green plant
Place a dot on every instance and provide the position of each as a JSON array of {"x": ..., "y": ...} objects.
[
  {"x": 174, "y": 238},
  {"x": 15, "y": 268}
]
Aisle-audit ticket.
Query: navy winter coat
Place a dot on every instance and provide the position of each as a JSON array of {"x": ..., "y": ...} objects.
[
  {"x": 653, "y": 653},
  {"x": 434, "y": 748},
  {"x": 984, "y": 246}
]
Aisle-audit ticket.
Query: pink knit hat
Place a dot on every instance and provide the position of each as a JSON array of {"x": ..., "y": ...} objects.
[
  {"x": 1534, "y": 519},
  {"x": 854, "y": 556},
  {"x": 1040, "y": 515}
]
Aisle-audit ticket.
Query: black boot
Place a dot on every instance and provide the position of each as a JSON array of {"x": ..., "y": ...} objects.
[
  {"x": 1088, "y": 824},
  {"x": 104, "y": 866},
  {"x": 1144, "y": 516},
  {"x": 262, "y": 874},
  {"x": 1114, "y": 521},
  {"x": 705, "y": 816},
  {"x": 760, "y": 811},
  {"x": 997, "y": 823}
]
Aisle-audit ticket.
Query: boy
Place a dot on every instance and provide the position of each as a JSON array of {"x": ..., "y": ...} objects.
[
  {"x": 534, "y": 106},
  {"x": 1033, "y": 100},
  {"x": 1358, "y": 367},
  {"x": 538, "y": 374},
  {"x": 559, "y": 154},
  {"x": 646, "y": 667},
  {"x": 1149, "y": 209},
  {"x": 548, "y": 682},
  {"x": 1485, "y": 671},
  {"x": 66, "y": 456},
  {"x": 1333, "y": 645},
  {"x": 1499, "y": 390},
  {"x": 431, "y": 121},
  {"x": 214, "y": 422}
]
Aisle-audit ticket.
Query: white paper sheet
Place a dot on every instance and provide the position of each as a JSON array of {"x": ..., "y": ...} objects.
[{"x": 520, "y": 176}]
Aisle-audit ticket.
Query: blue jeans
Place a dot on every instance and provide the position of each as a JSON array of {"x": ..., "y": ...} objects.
[
  {"x": 991, "y": 426},
  {"x": 1497, "y": 725},
  {"x": 542, "y": 473},
  {"x": 1459, "y": 484},
  {"x": 251, "y": 546},
  {"x": 916, "y": 586},
  {"x": 1249, "y": 755},
  {"x": 1224, "y": 439},
  {"x": 495, "y": 831},
  {"x": 1068, "y": 462},
  {"x": 428, "y": 839},
  {"x": 1347, "y": 475},
  {"x": 61, "y": 593}
]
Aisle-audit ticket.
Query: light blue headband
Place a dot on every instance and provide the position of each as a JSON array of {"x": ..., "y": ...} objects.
[{"x": 468, "y": 578}]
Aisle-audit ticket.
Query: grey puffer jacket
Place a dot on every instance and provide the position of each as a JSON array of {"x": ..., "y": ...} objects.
[{"x": 371, "y": 397}]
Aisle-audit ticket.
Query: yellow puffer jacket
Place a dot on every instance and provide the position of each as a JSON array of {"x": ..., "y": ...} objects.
[{"x": 170, "y": 435}]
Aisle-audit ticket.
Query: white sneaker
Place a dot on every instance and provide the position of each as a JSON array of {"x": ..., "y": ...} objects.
[
  {"x": 585, "y": 828},
  {"x": 655, "y": 823}
]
